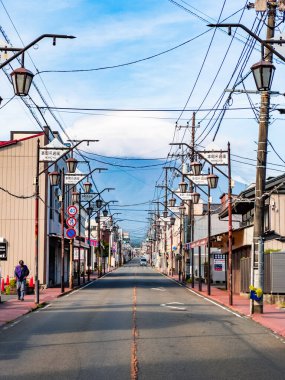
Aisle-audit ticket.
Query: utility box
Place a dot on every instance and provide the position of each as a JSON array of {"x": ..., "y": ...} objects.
[{"x": 274, "y": 278}]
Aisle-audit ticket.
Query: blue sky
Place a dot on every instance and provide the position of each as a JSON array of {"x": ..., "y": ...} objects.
[{"x": 111, "y": 33}]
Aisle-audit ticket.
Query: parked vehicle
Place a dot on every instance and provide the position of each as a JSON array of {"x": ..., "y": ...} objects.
[{"x": 143, "y": 262}]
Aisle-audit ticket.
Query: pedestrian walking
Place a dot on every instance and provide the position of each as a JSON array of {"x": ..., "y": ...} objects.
[{"x": 21, "y": 274}]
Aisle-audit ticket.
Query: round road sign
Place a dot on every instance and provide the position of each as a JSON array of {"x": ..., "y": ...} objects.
[
  {"x": 70, "y": 233},
  {"x": 72, "y": 210},
  {"x": 71, "y": 222}
]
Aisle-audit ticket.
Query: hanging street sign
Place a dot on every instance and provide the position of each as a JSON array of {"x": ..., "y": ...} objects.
[
  {"x": 184, "y": 196},
  {"x": 71, "y": 222},
  {"x": 52, "y": 151},
  {"x": 51, "y": 155},
  {"x": 73, "y": 179},
  {"x": 72, "y": 210},
  {"x": 218, "y": 157},
  {"x": 88, "y": 197},
  {"x": 70, "y": 233},
  {"x": 199, "y": 179}
]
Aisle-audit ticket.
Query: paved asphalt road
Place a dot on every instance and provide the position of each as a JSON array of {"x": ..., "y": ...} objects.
[{"x": 137, "y": 324}]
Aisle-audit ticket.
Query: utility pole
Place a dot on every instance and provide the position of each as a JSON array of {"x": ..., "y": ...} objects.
[
  {"x": 191, "y": 205},
  {"x": 165, "y": 224},
  {"x": 258, "y": 231}
]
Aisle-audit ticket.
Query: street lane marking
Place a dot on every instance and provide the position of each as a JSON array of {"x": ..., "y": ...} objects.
[
  {"x": 205, "y": 298},
  {"x": 175, "y": 303},
  {"x": 134, "y": 359},
  {"x": 160, "y": 289},
  {"x": 169, "y": 305}
]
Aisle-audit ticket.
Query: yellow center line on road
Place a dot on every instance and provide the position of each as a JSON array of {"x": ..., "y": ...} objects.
[{"x": 134, "y": 358}]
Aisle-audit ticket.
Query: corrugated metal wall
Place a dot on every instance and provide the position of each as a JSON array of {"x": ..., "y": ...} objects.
[{"x": 17, "y": 215}]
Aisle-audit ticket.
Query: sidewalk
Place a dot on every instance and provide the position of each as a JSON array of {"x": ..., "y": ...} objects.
[
  {"x": 11, "y": 308},
  {"x": 272, "y": 317}
]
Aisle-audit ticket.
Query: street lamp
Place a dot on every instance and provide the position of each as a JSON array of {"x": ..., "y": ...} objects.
[
  {"x": 21, "y": 77},
  {"x": 172, "y": 202},
  {"x": 22, "y": 80},
  {"x": 99, "y": 203},
  {"x": 263, "y": 73},
  {"x": 212, "y": 180},
  {"x": 183, "y": 187},
  {"x": 87, "y": 187},
  {"x": 196, "y": 167}
]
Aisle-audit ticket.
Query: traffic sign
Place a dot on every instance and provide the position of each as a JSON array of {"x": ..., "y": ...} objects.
[
  {"x": 70, "y": 233},
  {"x": 71, "y": 222},
  {"x": 72, "y": 210}
]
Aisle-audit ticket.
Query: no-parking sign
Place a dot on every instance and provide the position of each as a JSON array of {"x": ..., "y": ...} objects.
[{"x": 70, "y": 233}]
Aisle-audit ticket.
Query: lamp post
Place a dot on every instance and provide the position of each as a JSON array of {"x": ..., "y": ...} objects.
[
  {"x": 263, "y": 73},
  {"x": 21, "y": 77},
  {"x": 71, "y": 163},
  {"x": 99, "y": 205},
  {"x": 55, "y": 176},
  {"x": 194, "y": 198},
  {"x": 89, "y": 212},
  {"x": 76, "y": 198},
  {"x": 211, "y": 182}
]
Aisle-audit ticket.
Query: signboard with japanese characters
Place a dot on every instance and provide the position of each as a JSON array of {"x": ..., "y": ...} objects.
[
  {"x": 3, "y": 251},
  {"x": 73, "y": 179},
  {"x": 216, "y": 157},
  {"x": 184, "y": 196},
  {"x": 88, "y": 197},
  {"x": 199, "y": 180},
  {"x": 52, "y": 151},
  {"x": 51, "y": 154}
]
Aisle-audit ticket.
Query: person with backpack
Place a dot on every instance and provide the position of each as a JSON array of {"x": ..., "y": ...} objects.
[{"x": 21, "y": 274}]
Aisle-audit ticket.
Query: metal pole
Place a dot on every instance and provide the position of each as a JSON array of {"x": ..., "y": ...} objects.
[
  {"x": 79, "y": 232},
  {"x": 99, "y": 245},
  {"x": 71, "y": 263},
  {"x": 230, "y": 227},
  {"x": 89, "y": 248},
  {"x": 110, "y": 249},
  {"x": 191, "y": 221},
  {"x": 209, "y": 243},
  {"x": 62, "y": 229},
  {"x": 180, "y": 250},
  {"x": 171, "y": 250},
  {"x": 37, "y": 292},
  {"x": 200, "y": 277}
]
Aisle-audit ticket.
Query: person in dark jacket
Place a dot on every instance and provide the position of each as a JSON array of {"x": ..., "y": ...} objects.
[{"x": 21, "y": 274}]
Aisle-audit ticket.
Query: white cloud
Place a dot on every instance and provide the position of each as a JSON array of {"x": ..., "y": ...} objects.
[{"x": 126, "y": 135}]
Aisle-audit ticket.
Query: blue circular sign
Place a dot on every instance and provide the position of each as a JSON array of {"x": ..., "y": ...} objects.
[{"x": 70, "y": 233}]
